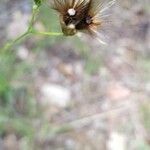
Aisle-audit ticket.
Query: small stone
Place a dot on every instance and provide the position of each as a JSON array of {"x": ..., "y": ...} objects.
[
  {"x": 117, "y": 91},
  {"x": 23, "y": 53},
  {"x": 116, "y": 141},
  {"x": 66, "y": 69},
  {"x": 11, "y": 142},
  {"x": 56, "y": 95}
]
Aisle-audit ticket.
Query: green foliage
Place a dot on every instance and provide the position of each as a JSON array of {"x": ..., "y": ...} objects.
[
  {"x": 38, "y": 2},
  {"x": 18, "y": 107},
  {"x": 142, "y": 146},
  {"x": 6, "y": 63},
  {"x": 144, "y": 65},
  {"x": 19, "y": 126},
  {"x": 145, "y": 115},
  {"x": 10, "y": 95}
]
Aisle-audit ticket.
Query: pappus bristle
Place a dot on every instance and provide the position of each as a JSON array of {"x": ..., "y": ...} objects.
[{"x": 81, "y": 15}]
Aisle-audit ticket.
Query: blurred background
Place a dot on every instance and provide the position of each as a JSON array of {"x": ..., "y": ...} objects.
[{"x": 66, "y": 93}]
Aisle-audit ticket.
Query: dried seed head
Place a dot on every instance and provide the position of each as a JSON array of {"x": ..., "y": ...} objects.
[{"x": 81, "y": 15}]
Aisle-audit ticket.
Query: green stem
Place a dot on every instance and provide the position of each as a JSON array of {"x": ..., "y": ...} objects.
[
  {"x": 10, "y": 44},
  {"x": 34, "y": 12},
  {"x": 47, "y": 33},
  {"x": 30, "y": 30}
]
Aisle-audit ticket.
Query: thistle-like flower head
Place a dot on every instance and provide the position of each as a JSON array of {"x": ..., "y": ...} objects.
[{"x": 81, "y": 15}]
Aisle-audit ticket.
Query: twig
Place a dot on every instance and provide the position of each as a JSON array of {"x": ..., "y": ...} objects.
[
  {"x": 84, "y": 121},
  {"x": 80, "y": 123}
]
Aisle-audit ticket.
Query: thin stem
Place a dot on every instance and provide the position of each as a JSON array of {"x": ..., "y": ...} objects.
[
  {"x": 10, "y": 44},
  {"x": 30, "y": 30},
  {"x": 47, "y": 33},
  {"x": 34, "y": 12}
]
